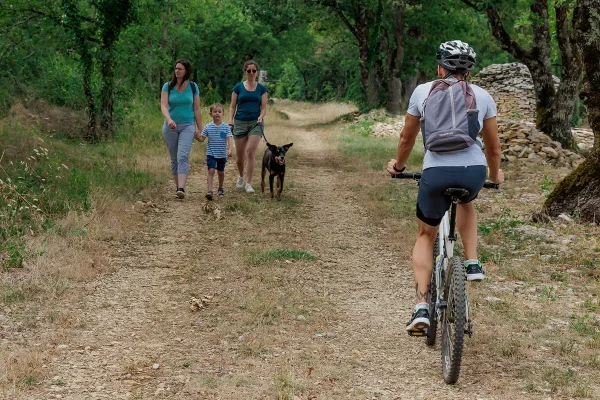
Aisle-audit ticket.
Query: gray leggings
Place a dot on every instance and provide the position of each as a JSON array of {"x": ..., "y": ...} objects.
[{"x": 179, "y": 142}]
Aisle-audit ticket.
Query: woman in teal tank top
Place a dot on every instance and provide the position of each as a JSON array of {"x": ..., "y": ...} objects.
[
  {"x": 180, "y": 105},
  {"x": 246, "y": 112}
]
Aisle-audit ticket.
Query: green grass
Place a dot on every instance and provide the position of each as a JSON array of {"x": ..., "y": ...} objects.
[
  {"x": 43, "y": 178},
  {"x": 375, "y": 152},
  {"x": 270, "y": 256}
]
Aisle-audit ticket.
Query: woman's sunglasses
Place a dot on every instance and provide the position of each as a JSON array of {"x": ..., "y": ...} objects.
[{"x": 251, "y": 71}]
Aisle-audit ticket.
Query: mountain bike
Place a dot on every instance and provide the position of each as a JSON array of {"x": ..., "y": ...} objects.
[{"x": 447, "y": 298}]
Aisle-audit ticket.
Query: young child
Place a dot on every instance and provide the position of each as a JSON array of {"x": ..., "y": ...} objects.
[{"x": 220, "y": 144}]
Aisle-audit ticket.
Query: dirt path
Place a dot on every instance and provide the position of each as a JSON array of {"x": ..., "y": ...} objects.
[{"x": 330, "y": 328}]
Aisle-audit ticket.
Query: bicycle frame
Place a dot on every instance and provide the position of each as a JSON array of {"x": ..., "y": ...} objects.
[{"x": 446, "y": 239}]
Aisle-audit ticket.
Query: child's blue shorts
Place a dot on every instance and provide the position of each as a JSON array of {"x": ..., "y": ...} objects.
[{"x": 218, "y": 163}]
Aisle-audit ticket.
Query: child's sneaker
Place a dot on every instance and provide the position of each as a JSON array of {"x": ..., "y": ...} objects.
[
  {"x": 220, "y": 192},
  {"x": 474, "y": 271},
  {"x": 180, "y": 193},
  {"x": 249, "y": 188},
  {"x": 209, "y": 195},
  {"x": 240, "y": 182}
]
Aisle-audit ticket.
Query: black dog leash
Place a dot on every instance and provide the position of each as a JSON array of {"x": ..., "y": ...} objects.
[{"x": 262, "y": 130}]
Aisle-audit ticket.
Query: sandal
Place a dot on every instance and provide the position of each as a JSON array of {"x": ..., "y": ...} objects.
[{"x": 209, "y": 195}]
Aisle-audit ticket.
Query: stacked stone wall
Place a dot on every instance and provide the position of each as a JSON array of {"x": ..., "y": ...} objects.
[{"x": 511, "y": 87}]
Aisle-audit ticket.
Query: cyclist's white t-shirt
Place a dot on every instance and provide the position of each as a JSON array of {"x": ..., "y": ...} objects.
[{"x": 472, "y": 155}]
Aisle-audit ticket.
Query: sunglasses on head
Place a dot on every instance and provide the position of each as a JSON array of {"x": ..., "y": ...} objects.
[{"x": 253, "y": 71}]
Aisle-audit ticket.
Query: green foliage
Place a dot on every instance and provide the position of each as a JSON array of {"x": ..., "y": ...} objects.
[
  {"x": 290, "y": 85},
  {"x": 43, "y": 179}
]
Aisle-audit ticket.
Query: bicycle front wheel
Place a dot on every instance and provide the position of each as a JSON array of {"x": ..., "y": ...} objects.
[{"x": 453, "y": 321}]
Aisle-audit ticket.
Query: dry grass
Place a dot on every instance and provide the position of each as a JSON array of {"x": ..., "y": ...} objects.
[
  {"x": 20, "y": 370},
  {"x": 308, "y": 113}
]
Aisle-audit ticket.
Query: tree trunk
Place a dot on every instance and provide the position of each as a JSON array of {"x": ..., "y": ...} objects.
[
  {"x": 91, "y": 134},
  {"x": 367, "y": 78},
  {"x": 410, "y": 84},
  {"x": 564, "y": 104},
  {"x": 107, "y": 70},
  {"x": 553, "y": 111},
  {"x": 396, "y": 59},
  {"x": 579, "y": 193}
]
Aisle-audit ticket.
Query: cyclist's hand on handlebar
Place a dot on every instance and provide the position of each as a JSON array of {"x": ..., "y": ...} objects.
[
  {"x": 390, "y": 167},
  {"x": 393, "y": 169}
]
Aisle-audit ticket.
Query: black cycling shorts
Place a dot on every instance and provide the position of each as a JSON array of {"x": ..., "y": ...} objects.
[{"x": 431, "y": 202}]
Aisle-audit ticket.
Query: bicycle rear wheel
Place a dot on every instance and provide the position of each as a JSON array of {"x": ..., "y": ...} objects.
[
  {"x": 453, "y": 321},
  {"x": 431, "y": 299}
]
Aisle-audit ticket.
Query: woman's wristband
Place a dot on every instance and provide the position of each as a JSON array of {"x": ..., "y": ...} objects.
[{"x": 399, "y": 170}]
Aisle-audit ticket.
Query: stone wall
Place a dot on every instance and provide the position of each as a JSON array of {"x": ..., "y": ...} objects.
[
  {"x": 512, "y": 88},
  {"x": 522, "y": 141}
]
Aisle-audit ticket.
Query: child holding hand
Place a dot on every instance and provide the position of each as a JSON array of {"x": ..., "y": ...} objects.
[{"x": 219, "y": 148}]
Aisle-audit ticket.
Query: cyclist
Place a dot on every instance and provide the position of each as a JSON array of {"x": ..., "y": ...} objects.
[{"x": 463, "y": 168}]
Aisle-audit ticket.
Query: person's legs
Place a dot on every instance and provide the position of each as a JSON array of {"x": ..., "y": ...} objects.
[
  {"x": 184, "y": 147},
  {"x": 466, "y": 222},
  {"x": 171, "y": 138},
  {"x": 240, "y": 154},
  {"x": 253, "y": 142},
  {"x": 422, "y": 259},
  {"x": 221, "y": 171},
  {"x": 422, "y": 263},
  {"x": 209, "y": 179}
]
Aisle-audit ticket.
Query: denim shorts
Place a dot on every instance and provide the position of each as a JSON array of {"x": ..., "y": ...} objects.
[
  {"x": 432, "y": 204},
  {"x": 218, "y": 163}
]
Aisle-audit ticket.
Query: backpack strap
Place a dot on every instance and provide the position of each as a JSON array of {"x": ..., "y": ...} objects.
[{"x": 193, "y": 86}]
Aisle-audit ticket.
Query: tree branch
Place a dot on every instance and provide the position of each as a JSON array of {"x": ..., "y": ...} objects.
[{"x": 506, "y": 42}]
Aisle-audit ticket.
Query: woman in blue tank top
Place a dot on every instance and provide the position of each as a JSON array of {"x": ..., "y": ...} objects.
[
  {"x": 180, "y": 105},
  {"x": 246, "y": 112}
]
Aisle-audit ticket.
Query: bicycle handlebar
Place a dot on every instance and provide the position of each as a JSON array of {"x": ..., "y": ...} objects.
[
  {"x": 406, "y": 175},
  {"x": 417, "y": 175}
]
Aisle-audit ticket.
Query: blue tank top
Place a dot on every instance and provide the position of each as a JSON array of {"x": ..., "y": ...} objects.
[{"x": 248, "y": 103}]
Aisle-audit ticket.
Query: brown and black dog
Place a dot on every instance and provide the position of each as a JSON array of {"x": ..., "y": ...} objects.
[{"x": 274, "y": 162}]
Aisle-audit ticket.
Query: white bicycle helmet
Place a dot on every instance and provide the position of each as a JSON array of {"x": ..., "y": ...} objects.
[{"x": 456, "y": 56}]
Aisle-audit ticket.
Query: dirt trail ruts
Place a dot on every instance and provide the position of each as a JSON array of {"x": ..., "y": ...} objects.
[{"x": 138, "y": 317}]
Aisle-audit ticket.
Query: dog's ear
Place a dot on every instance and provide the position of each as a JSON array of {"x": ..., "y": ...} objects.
[
  {"x": 272, "y": 147},
  {"x": 287, "y": 146}
]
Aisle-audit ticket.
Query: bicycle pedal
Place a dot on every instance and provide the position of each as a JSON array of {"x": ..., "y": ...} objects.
[
  {"x": 469, "y": 330},
  {"x": 417, "y": 333}
]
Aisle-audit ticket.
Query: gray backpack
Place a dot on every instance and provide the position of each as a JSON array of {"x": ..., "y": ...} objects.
[{"x": 449, "y": 121}]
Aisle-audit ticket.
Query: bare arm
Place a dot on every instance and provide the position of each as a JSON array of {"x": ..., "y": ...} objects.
[
  {"x": 164, "y": 108},
  {"x": 263, "y": 107},
  {"x": 232, "y": 107},
  {"x": 229, "y": 146},
  {"x": 197, "y": 115},
  {"x": 492, "y": 149},
  {"x": 408, "y": 136}
]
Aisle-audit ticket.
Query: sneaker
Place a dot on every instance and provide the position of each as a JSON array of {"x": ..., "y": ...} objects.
[
  {"x": 419, "y": 321},
  {"x": 474, "y": 272},
  {"x": 240, "y": 182},
  {"x": 220, "y": 192},
  {"x": 249, "y": 188},
  {"x": 180, "y": 193},
  {"x": 209, "y": 195}
]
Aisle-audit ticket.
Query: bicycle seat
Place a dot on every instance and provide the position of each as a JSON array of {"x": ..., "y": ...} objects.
[{"x": 458, "y": 193}]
